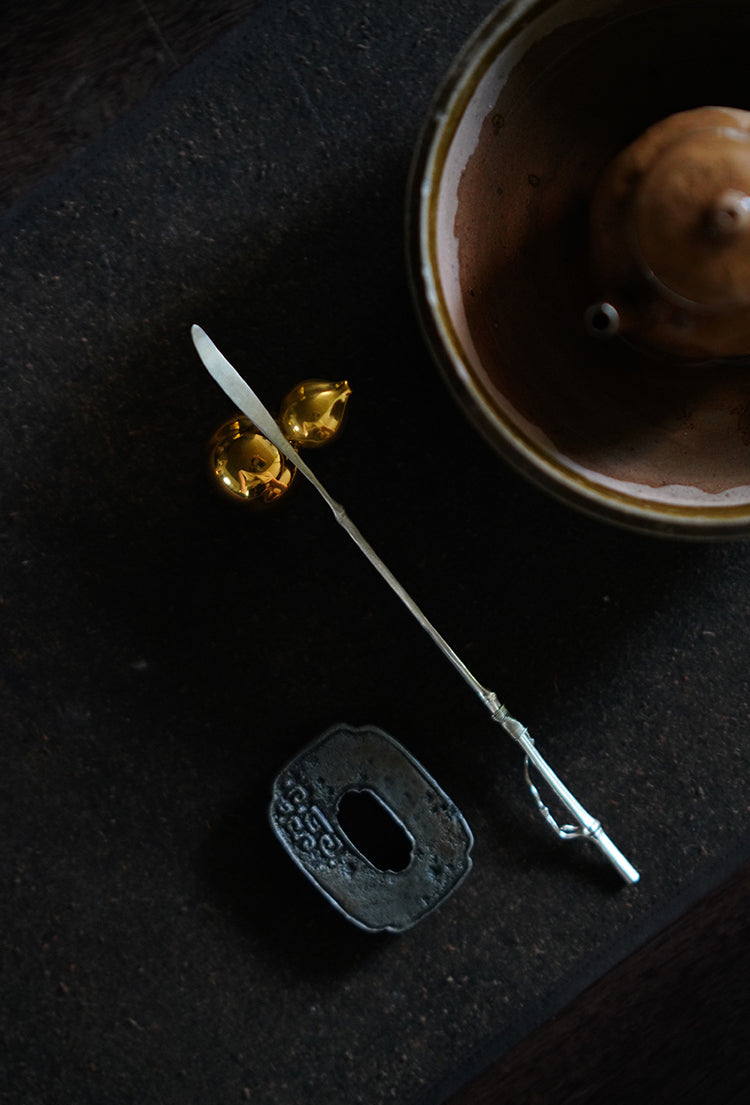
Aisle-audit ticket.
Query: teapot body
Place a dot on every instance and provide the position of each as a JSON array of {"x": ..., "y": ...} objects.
[{"x": 670, "y": 237}]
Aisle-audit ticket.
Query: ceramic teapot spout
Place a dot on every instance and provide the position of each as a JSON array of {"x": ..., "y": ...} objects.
[{"x": 602, "y": 319}]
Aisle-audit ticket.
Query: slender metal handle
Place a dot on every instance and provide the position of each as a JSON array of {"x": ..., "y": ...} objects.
[
  {"x": 588, "y": 826},
  {"x": 615, "y": 856}
]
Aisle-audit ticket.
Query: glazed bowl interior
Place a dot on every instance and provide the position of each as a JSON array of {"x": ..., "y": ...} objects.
[{"x": 535, "y": 107}]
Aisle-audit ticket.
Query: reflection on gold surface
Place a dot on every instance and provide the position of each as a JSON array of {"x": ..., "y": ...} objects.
[
  {"x": 246, "y": 467},
  {"x": 313, "y": 412}
]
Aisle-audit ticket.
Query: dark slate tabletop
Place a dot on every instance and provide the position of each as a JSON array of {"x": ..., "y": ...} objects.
[{"x": 164, "y": 655}]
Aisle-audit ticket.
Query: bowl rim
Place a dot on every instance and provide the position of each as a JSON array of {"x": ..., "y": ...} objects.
[{"x": 445, "y": 112}]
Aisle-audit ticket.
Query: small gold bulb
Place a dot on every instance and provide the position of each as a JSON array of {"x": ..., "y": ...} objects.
[{"x": 313, "y": 412}]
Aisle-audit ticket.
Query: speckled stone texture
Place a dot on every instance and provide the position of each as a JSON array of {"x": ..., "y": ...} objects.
[{"x": 165, "y": 655}]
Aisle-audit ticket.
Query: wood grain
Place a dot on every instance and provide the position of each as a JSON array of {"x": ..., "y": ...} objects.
[
  {"x": 69, "y": 70},
  {"x": 669, "y": 1024}
]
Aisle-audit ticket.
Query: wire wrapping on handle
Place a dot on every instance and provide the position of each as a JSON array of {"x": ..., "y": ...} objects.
[{"x": 565, "y": 832}]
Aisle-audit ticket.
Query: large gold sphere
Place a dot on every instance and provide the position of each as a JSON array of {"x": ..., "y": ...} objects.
[{"x": 247, "y": 467}]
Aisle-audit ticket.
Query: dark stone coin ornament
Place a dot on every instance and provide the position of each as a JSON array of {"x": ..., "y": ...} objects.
[{"x": 370, "y": 828}]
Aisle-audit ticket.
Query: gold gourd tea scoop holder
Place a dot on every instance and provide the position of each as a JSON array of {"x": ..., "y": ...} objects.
[
  {"x": 247, "y": 468},
  {"x": 586, "y": 827}
]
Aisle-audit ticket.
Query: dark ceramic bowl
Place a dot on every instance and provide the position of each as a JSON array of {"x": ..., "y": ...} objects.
[{"x": 536, "y": 105}]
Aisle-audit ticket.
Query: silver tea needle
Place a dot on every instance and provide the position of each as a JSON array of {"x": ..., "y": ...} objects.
[{"x": 588, "y": 827}]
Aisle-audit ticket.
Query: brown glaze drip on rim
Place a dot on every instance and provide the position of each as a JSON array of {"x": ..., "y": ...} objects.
[{"x": 578, "y": 98}]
